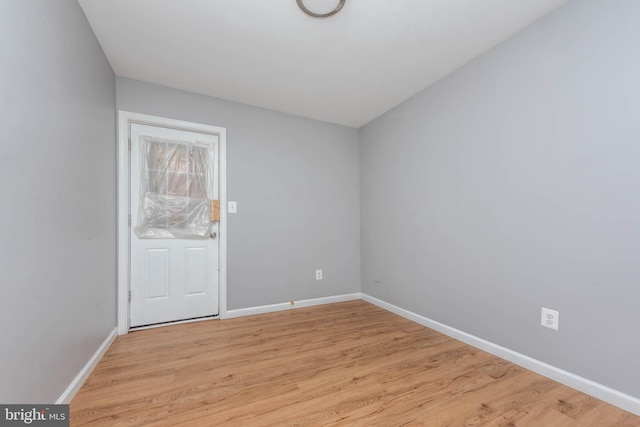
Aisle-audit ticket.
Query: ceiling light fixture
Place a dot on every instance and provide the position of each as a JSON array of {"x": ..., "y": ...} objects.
[{"x": 321, "y": 15}]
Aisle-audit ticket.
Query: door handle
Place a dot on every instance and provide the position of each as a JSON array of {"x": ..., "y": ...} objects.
[{"x": 214, "y": 234}]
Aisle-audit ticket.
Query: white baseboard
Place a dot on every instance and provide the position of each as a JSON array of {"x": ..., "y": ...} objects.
[
  {"x": 230, "y": 314},
  {"x": 86, "y": 370},
  {"x": 592, "y": 388}
]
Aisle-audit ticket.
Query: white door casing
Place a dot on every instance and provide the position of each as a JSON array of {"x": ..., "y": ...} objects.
[{"x": 169, "y": 279}]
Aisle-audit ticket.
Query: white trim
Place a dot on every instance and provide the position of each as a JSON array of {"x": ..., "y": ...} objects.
[
  {"x": 222, "y": 254},
  {"x": 125, "y": 118},
  {"x": 82, "y": 376},
  {"x": 290, "y": 305},
  {"x": 599, "y": 391},
  {"x": 123, "y": 224}
]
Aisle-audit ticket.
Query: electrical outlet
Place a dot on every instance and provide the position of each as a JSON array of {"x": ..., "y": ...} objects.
[
  {"x": 549, "y": 318},
  {"x": 318, "y": 274}
]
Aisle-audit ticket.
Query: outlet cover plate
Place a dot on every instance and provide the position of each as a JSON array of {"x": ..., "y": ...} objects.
[
  {"x": 318, "y": 274},
  {"x": 549, "y": 318}
]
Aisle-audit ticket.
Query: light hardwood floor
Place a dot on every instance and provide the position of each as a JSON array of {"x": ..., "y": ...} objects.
[{"x": 345, "y": 364}]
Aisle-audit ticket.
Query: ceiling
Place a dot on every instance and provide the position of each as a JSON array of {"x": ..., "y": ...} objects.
[{"x": 347, "y": 69}]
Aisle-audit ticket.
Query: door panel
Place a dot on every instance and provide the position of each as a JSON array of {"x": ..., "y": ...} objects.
[
  {"x": 174, "y": 265},
  {"x": 196, "y": 280},
  {"x": 157, "y": 273}
]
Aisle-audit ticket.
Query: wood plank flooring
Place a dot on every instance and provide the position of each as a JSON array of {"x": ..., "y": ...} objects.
[{"x": 345, "y": 364}]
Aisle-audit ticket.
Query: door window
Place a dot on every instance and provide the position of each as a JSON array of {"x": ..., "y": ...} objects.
[{"x": 174, "y": 177}]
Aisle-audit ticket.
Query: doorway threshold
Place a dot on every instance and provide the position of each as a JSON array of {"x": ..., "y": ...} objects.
[{"x": 175, "y": 322}]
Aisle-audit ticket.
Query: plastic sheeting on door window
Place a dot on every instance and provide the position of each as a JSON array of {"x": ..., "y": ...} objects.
[{"x": 175, "y": 183}]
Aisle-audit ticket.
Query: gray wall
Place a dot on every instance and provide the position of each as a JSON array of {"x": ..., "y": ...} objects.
[
  {"x": 57, "y": 183},
  {"x": 296, "y": 182},
  {"x": 515, "y": 184}
]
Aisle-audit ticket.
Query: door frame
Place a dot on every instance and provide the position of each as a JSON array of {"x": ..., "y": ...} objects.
[{"x": 125, "y": 118}]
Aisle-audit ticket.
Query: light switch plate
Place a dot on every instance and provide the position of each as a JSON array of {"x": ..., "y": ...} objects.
[{"x": 232, "y": 207}]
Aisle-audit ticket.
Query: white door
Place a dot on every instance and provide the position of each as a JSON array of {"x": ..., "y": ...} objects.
[{"x": 174, "y": 246}]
